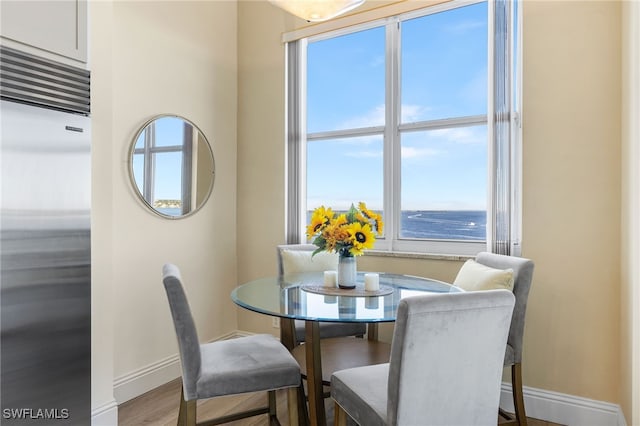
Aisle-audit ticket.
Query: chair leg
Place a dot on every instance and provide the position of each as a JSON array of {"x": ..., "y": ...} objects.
[
  {"x": 187, "y": 413},
  {"x": 518, "y": 397},
  {"x": 273, "y": 409},
  {"x": 339, "y": 416},
  {"x": 292, "y": 404},
  {"x": 303, "y": 412}
]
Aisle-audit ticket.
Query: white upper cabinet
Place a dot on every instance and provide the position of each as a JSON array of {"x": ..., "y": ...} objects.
[{"x": 58, "y": 27}]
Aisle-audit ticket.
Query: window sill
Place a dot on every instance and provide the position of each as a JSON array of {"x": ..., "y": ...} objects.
[{"x": 412, "y": 255}]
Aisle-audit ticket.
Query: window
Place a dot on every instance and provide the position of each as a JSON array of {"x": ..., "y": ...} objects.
[
  {"x": 414, "y": 116},
  {"x": 162, "y": 165}
]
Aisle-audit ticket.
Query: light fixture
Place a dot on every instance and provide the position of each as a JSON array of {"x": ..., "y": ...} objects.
[{"x": 317, "y": 10}]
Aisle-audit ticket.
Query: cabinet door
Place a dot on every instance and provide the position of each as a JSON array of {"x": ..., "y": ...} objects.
[{"x": 57, "y": 26}]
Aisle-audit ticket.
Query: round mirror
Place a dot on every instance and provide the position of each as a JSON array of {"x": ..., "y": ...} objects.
[{"x": 171, "y": 166}]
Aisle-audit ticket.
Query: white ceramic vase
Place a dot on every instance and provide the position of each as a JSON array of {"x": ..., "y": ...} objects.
[{"x": 347, "y": 272}]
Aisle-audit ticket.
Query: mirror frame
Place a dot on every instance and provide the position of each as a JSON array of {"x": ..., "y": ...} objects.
[{"x": 132, "y": 178}]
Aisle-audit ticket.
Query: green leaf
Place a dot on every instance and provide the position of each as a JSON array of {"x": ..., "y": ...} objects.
[
  {"x": 316, "y": 251},
  {"x": 351, "y": 214}
]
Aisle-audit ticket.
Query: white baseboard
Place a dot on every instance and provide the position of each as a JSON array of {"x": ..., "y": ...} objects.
[
  {"x": 564, "y": 409},
  {"x": 105, "y": 415},
  {"x": 147, "y": 378}
]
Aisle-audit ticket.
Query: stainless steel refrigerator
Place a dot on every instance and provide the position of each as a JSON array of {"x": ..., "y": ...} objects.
[{"x": 45, "y": 257}]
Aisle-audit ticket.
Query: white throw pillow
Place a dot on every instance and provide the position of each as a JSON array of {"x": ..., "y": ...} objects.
[
  {"x": 474, "y": 276},
  {"x": 296, "y": 261}
]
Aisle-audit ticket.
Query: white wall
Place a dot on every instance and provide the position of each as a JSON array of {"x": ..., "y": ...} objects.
[
  {"x": 102, "y": 330},
  {"x": 151, "y": 58}
]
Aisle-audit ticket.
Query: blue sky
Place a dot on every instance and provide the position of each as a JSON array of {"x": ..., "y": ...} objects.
[{"x": 443, "y": 75}]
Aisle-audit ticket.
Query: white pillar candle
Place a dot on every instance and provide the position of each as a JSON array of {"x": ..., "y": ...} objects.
[
  {"x": 330, "y": 278},
  {"x": 371, "y": 282}
]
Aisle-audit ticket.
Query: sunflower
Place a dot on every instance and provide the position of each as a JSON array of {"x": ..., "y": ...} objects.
[
  {"x": 379, "y": 224},
  {"x": 367, "y": 216},
  {"x": 361, "y": 237},
  {"x": 365, "y": 211},
  {"x": 348, "y": 233},
  {"x": 319, "y": 219},
  {"x": 340, "y": 220},
  {"x": 335, "y": 234}
]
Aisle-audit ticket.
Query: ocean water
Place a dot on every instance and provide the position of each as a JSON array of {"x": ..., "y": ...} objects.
[
  {"x": 170, "y": 211},
  {"x": 469, "y": 225},
  {"x": 444, "y": 224}
]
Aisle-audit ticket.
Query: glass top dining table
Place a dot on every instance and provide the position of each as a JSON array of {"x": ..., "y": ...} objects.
[{"x": 303, "y": 297}]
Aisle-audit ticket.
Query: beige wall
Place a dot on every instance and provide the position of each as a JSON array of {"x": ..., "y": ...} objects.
[
  {"x": 152, "y": 58},
  {"x": 260, "y": 145},
  {"x": 571, "y": 222},
  {"x": 180, "y": 57},
  {"x": 571, "y": 219},
  {"x": 630, "y": 296}
]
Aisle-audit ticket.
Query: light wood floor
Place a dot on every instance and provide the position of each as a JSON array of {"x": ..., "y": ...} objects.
[{"x": 160, "y": 407}]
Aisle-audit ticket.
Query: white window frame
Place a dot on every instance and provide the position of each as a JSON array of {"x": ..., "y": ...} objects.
[
  {"x": 148, "y": 152},
  {"x": 297, "y": 139}
]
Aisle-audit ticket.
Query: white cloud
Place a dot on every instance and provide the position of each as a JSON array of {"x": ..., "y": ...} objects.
[
  {"x": 372, "y": 118},
  {"x": 475, "y": 90},
  {"x": 377, "y": 61},
  {"x": 408, "y": 152},
  {"x": 462, "y": 135},
  {"x": 365, "y": 154},
  {"x": 376, "y": 116},
  {"x": 412, "y": 113},
  {"x": 465, "y": 26}
]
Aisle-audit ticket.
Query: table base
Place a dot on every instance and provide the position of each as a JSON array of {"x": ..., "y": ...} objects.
[{"x": 344, "y": 352}]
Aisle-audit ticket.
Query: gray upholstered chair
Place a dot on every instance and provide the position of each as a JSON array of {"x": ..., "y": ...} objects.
[
  {"x": 247, "y": 364},
  {"x": 522, "y": 278},
  {"x": 294, "y": 258},
  {"x": 445, "y": 366}
]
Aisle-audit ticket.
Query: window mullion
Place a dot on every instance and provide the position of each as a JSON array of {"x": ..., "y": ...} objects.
[
  {"x": 391, "y": 137},
  {"x": 446, "y": 123},
  {"x": 500, "y": 235},
  {"x": 516, "y": 128},
  {"x": 149, "y": 163},
  {"x": 158, "y": 149},
  {"x": 296, "y": 179},
  {"x": 346, "y": 133}
]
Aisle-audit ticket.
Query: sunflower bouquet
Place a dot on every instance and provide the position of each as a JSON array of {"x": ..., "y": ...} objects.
[{"x": 347, "y": 234}]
